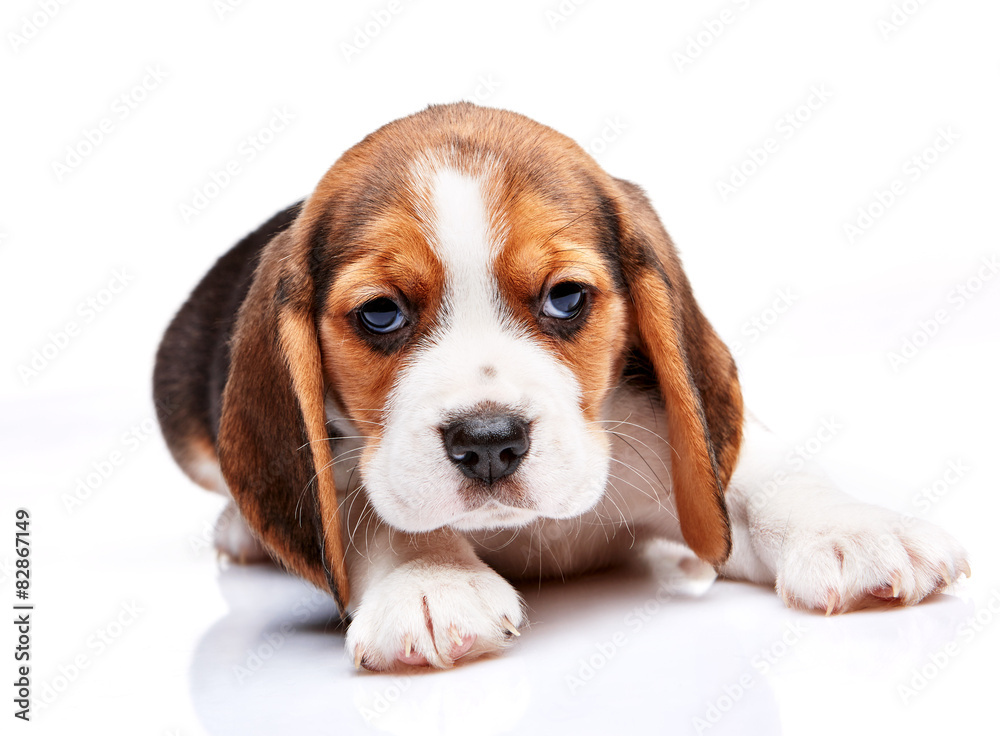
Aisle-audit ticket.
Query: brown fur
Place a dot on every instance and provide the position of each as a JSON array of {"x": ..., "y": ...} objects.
[
  {"x": 272, "y": 429},
  {"x": 696, "y": 376},
  {"x": 360, "y": 236},
  {"x": 396, "y": 260}
]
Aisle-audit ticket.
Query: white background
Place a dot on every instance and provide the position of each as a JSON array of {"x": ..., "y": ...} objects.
[{"x": 610, "y": 75}]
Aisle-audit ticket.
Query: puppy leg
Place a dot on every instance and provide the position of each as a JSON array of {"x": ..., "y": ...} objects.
[
  {"x": 821, "y": 548},
  {"x": 425, "y": 599},
  {"x": 232, "y": 536},
  {"x": 234, "y": 539}
]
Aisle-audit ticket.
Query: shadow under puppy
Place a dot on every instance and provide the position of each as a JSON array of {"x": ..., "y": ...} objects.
[{"x": 471, "y": 353}]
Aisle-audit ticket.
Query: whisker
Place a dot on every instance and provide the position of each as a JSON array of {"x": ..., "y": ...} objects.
[
  {"x": 332, "y": 439},
  {"x": 625, "y": 523},
  {"x": 651, "y": 494},
  {"x": 642, "y": 457}
]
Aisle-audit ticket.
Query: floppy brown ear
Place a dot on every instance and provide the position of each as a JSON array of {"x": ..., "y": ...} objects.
[
  {"x": 273, "y": 445},
  {"x": 694, "y": 370}
]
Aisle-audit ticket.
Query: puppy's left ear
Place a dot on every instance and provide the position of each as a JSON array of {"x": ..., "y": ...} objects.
[
  {"x": 695, "y": 373},
  {"x": 273, "y": 442}
]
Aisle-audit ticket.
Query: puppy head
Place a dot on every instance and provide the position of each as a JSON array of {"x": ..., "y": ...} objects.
[{"x": 463, "y": 286}]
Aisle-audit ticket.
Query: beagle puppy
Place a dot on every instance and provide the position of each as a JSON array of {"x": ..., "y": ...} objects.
[{"x": 471, "y": 355}]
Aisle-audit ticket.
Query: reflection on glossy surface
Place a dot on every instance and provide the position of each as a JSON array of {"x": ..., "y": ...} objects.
[
  {"x": 248, "y": 651},
  {"x": 657, "y": 647}
]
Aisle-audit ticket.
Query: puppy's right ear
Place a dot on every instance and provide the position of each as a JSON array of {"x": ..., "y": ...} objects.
[
  {"x": 695, "y": 372},
  {"x": 273, "y": 444}
]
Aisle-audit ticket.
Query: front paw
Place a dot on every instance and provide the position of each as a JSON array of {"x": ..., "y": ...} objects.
[
  {"x": 432, "y": 613},
  {"x": 844, "y": 557}
]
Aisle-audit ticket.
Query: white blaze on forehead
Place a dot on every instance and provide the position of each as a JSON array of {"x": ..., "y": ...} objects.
[
  {"x": 462, "y": 238},
  {"x": 409, "y": 477}
]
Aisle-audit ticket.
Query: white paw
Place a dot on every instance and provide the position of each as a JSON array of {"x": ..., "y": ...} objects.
[
  {"x": 850, "y": 555},
  {"x": 432, "y": 613},
  {"x": 234, "y": 539}
]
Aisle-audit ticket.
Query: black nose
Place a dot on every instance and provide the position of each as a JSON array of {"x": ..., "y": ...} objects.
[{"x": 487, "y": 448}]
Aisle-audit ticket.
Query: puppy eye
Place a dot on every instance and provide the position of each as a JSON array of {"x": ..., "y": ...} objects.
[
  {"x": 381, "y": 316},
  {"x": 565, "y": 300}
]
